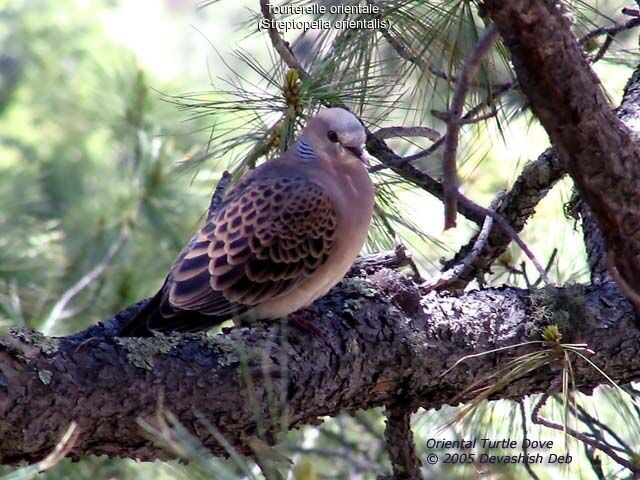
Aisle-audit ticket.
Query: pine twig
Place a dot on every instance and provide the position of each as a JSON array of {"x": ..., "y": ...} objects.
[
  {"x": 448, "y": 277},
  {"x": 606, "y": 449},
  {"x": 279, "y": 43},
  {"x": 467, "y": 75},
  {"x": 391, "y": 132}
]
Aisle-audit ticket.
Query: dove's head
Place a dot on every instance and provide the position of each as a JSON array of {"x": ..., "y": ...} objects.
[{"x": 334, "y": 134}]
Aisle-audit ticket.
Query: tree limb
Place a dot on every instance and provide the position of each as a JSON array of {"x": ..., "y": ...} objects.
[
  {"x": 531, "y": 186},
  {"x": 382, "y": 343},
  {"x": 400, "y": 444},
  {"x": 598, "y": 150}
]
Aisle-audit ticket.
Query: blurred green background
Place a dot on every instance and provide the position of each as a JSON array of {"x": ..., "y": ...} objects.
[{"x": 104, "y": 175}]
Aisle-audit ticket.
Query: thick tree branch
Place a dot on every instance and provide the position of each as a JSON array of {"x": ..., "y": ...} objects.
[
  {"x": 598, "y": 150},
  {"x": 382, "y": 343},
  {"x": 531, "y": 186}
]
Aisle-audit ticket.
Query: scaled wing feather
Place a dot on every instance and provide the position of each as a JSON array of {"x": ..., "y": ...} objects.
[{"x": 267, "y": 236}]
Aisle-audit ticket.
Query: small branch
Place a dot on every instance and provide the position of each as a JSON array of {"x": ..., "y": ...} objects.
[
  {"x": 390, "y": 132},
  {"x": 606, "y": 449},
  {"x": 58, "y": 309},
  {"x": 523, "y": 417},
  {"x": 448, "y": 277},
  {"x": 633, "y": 12},
  {"x": 611, "y": 30},
  {"x": 453, "y": 79},
  {"x": 479, "y": 118},
  {"x": 603, "y": 49},
  {"x": 468, "y": 73},
  {"x": 400, "y": 444},
  {"x": 508, "y": 229},
  {"x": 279, "y": 43}
]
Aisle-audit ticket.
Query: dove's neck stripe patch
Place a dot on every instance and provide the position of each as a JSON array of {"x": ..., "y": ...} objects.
[{"x": 305, "y": 151}]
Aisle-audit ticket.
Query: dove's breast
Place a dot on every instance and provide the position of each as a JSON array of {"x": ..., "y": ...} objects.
[{"x": 354, "y": 200}]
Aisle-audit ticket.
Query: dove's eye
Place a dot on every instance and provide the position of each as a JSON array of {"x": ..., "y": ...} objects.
[{"x": 332, "y": 136}]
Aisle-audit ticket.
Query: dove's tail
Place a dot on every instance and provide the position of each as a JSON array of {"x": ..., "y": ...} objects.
[
  {"x": 158, "y": 316},
  {"x": 138, "y": 324}
]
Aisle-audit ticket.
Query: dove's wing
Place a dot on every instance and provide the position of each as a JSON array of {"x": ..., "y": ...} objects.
[{"x": 264, "y": 240}]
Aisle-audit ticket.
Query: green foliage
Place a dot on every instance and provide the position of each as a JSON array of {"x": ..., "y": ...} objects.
[
  {"x": 101, "y": 179},
  {"x": 88, "y": 155}
]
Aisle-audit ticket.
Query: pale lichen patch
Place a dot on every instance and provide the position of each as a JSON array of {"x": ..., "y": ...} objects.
[
  {"x": 142, "y": 352},
  {"x": 230, "y": 352},
  {"x": 47, "y": 345},
  {"x": 564, "y": 308},
  {"x": 358, "y": 286},
  {"x": 45, "y": 376}
]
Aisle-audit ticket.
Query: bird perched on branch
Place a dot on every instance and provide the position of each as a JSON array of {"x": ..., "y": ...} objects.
[{"x": 281, "y": 237}]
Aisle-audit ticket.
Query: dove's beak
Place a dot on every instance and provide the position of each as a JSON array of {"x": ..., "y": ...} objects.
[{"x": 361, "y": 153}]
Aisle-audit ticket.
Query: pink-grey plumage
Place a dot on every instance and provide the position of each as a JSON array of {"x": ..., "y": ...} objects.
[{"x": 282, "y": 236}]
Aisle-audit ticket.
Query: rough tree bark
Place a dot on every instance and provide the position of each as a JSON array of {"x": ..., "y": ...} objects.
[
  {"x": 382, "y": 343},
  {"x": 599, "y": 151}
]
